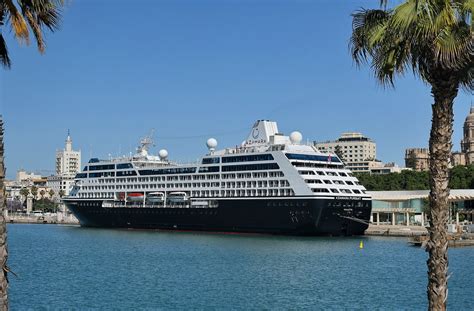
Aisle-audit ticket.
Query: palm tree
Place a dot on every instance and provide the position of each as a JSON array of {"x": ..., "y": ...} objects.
[
  {"x": 42, "y": 193},
  {"x": 34, "y": 192},
  {"x": 37, "y": 14},
  {"x": 434, "y": 39},
  {"x": 3, "y": 230},
  {"x": 25, "y": 192}
]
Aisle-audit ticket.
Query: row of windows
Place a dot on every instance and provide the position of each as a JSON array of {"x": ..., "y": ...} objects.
[
  {"x": 324, "y": 173},
  {"x": 247, "y": 158},
  {"x": 308, "y": 157},
  {"x": 312, "y": 164},
  {"x": 104, "y": 167},
  {"x": 238, "y": 184},
  {"x": 213, "y": 193},
  {"x": 126, "y": 173},
  {"x": 332, "y": 190},
  {"x": 102, "y": 174},
  {"x": 210, "y": 160},
  {"x": 174, "y": 170},
  {"x": 211, "y": 169},
  {"x": 250, "y": 167},
  {"x": 329, "y": 182},
  {"x": 124, "y": 165}
]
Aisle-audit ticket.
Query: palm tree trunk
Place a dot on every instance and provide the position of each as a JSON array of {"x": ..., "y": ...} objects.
[
  {"x": 444, "y": 91},
  {"x": 3, "y": 230}
]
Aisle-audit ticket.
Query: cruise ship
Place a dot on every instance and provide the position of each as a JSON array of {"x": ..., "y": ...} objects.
[{"x": 270, "y": 183}]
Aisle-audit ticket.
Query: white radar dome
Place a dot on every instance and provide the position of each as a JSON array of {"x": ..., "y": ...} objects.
[
  {"x": 296, "y": 137},
  {"x": 211, "y": 143},
  {"x": 163, "y": 153}
]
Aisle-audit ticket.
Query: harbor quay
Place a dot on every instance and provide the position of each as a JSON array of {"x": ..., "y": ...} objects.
[{"x": 60, "y": 218}]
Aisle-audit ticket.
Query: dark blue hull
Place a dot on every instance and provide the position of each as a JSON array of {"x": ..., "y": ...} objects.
[{"x": 303, "y": 216}]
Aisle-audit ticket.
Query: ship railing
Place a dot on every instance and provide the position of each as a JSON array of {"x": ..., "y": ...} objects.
[{"x": 135, "y": 205}]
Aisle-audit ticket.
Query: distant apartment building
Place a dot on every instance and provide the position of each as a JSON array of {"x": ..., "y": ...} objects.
[
  {"x": 385, "y": 168},
  {"x": 417, "y": 159},
  {"x": 25, "y": 178},
  {"x": 358, "y": 152}
]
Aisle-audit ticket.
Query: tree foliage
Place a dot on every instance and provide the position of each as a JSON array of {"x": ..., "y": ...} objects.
[
  {"x": 461, "y": 177},
  {"x": 25, "y": 16},
  {"x": 45, "y": 205}
]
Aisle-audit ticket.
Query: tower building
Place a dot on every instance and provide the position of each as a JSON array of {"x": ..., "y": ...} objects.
[
  {"x": 68, "y": 161},
  {"x": 467, "y": 143}
]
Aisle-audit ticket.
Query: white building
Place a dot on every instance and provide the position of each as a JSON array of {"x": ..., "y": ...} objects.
[
  {"x": 358, "y": 152},
  {"x": 60, "y": 184},
  {"x": 22, "y": 177},
  {"x": 68, "y": 164},
  {"x": 68, "y": 161}
]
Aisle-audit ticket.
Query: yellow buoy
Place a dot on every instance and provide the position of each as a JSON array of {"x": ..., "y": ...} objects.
[{"x": 361, "y": 245}]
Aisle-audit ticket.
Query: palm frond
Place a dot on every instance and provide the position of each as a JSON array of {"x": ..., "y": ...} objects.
[
  {"x": 424, "y": 35},
  {"x": 367, "y": 26},
  {"x": 4, "y": 59},
  {"x": 454, "y": 46},
  {"x": 17, "y": 21}
]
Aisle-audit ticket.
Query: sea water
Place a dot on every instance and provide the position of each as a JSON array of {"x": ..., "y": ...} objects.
[{"x": 69, "y": 267}]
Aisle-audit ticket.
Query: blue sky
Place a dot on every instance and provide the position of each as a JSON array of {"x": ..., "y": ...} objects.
[{"x": 196, "y": 69}]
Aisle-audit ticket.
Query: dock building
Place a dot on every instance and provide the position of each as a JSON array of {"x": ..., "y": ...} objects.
[{"x": 410, "y": 207}]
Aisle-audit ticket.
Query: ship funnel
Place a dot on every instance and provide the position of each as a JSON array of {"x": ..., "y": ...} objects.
[{"x": 261, "y": 132}]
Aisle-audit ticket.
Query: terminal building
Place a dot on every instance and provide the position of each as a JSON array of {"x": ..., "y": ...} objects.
[{"x": 411, "y": 207}]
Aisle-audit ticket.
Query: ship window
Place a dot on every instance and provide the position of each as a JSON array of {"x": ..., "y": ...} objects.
[
  {"x": 320, "y": 173},
  {"x": 356, "y": 191},
  {"x": 124, "y": 165},
  {"x": 208, "y": 169},
  {"x": 210, "y": 160},
  {"x": 346, "y": 191},
  {"x": 85, "y": 168},
  {"x": 349, "y": 183},
  {"x": 126, "y": 173},
  {"x": 320, "y": 190},
  {"x": 250, "y": 167},
  {"x": 327, "y": 182},
  {"x": 334, "y": 191},
  {"x": 247, "y": 158},
  {"x": 174, "y": 170},
  {"x": 306, "y": 172},
  {"x": 101, "y": 167},
  {"x": 342, "y": 174},
  {"x": 307, "y": 157},
  {"x": 81, "y": 175}
]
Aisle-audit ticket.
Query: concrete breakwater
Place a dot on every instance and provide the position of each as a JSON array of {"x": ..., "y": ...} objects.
[
  {"x": 394, "y": 230},
  {"x": 418, "y": 236},
  {"x": 58, "y": 218}
]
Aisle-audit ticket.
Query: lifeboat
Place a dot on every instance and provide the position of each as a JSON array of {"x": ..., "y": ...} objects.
[
  {"x": 155, "y": 197},
  {"x": 177, "y": 197},
  {"x": 135, "y": 197}
]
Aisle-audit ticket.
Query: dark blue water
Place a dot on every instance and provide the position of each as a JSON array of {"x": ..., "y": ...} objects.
[{"x": 63, "y": 267}]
